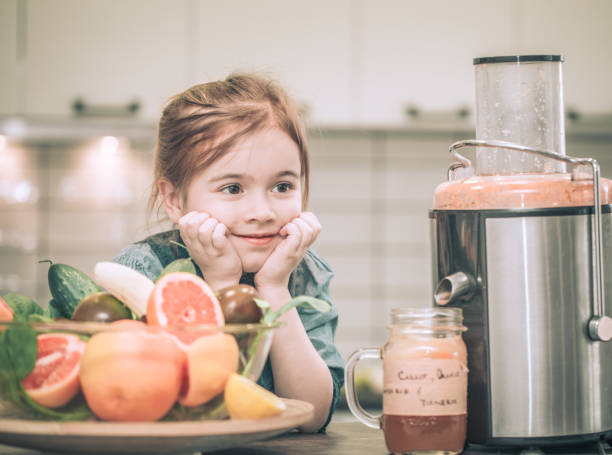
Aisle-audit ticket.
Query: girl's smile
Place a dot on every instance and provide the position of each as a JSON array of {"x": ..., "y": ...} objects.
[{"x": 257, "y": 239}]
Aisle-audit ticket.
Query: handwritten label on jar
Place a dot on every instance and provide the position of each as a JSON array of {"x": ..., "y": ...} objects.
[{"x": 425, "y": 387}]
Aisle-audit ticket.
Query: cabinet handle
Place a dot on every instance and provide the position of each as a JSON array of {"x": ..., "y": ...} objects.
[{"x": 80, "y": 107}]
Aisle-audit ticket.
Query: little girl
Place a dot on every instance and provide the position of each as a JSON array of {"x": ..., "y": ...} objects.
[{"x": 231, "y": 171}]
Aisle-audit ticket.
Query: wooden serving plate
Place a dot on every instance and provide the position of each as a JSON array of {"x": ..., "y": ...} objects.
[{"x": 149, "y": 437}]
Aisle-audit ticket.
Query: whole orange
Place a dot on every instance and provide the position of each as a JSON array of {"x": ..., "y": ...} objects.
[
  {"x": 210, "y": 362},
  {"x": 133, "y": 373}
]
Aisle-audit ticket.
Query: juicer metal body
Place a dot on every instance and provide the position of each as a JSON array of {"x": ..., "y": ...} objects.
[
  {"x": 532, "y": 285},
  {"x": 536, "y": 376}
]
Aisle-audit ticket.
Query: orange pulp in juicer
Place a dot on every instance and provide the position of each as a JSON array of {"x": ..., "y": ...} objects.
[{"x": 518, "y": 191}]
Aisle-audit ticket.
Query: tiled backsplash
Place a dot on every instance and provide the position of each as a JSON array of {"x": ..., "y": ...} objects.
[{"x": 372, "y": 189}]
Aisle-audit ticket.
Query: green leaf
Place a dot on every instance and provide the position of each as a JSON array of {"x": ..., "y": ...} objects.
[
  {"x": 182, "y": 246},
  {"x": 321, "y": 306},
  {"x": 6, "y": 370},
  {"x": 21, "y": 348},
  {"x": 22, "y": 306},
  {"x": 76, "y": 409},
  {"x": 317, "y": 304},
  {"x": 264, "y": 305},
  {"x": 39, "y": 318},
  {"x": 178, "y": 265}
]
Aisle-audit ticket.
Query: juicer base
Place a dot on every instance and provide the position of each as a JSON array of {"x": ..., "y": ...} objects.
[{"x": 545, "y": 442}]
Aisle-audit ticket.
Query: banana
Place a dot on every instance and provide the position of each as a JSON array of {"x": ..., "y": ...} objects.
[{"x": 126, "y": 284}]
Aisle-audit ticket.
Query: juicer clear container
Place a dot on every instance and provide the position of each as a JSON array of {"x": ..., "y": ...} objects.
[
  {"x": 519, "y": 99},
  {"x": 520, "y": 160}
]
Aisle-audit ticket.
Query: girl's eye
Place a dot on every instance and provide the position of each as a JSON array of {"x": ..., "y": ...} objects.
[
  {"x": 283, "y": 187},
  {"x": 231, "y": 189}
]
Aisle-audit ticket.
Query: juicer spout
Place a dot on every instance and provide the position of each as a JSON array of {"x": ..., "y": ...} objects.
[{"x": 451, "y": 287}]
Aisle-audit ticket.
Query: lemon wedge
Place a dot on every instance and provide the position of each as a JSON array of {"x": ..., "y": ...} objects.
[{"x": 245, "y": 399}]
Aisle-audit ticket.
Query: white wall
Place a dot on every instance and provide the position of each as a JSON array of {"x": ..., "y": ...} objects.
[{"x": 349, "y": 61}]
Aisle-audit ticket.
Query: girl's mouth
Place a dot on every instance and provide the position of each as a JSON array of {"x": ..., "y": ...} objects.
[{"x": 257, "y": 239}]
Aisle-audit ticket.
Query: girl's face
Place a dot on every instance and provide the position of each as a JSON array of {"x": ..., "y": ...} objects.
[{"x": 254, "y": 190}]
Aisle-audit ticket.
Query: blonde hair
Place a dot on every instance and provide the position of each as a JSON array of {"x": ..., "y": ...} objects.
[{"x": 201, "y": 124}]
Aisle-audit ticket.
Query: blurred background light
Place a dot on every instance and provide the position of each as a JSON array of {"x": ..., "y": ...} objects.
[
  {"x": 15, "y": 128},
  {"x": 109, "y": 145}
]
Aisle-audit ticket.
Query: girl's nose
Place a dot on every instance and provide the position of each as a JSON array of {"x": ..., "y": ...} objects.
[{"x": 259, "y": 208}]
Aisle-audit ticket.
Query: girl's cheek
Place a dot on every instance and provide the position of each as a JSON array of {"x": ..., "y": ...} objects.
[{"x": 293, "y": 208}]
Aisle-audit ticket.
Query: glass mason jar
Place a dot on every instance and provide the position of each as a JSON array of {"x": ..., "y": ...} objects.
[{"x": 424, "y": 382}]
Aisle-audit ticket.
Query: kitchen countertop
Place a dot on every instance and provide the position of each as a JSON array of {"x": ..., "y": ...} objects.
[{"x": 342, "y": 438}]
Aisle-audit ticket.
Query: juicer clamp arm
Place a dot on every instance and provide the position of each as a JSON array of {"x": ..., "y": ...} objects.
[{"x": 599, "y": 326}]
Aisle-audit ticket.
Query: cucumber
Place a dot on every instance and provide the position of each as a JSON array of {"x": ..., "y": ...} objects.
[
  {"x": 68, "y": 287},
  {"x": 52, "y": 311}
]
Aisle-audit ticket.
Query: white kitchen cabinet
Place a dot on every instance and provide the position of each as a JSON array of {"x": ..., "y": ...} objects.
[
  {"x": 109, "y": 52},
  {"x": 306, "y": 46},
  {"x": 581, "y": 32},
  {"x": 346, "y": 61},
  {"x": 9, "y": 69},
  {"x": 420, "y": 53}
]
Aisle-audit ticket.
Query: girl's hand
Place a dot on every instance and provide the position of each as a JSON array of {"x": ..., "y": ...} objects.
[
  {"x": 210, "y": 248},
  {"x": 301, "y": 232}
]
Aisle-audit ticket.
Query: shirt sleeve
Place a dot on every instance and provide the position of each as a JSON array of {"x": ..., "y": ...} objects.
[
  {"x": 140, "y": 257},
  {"x": 312, "y": 278}
]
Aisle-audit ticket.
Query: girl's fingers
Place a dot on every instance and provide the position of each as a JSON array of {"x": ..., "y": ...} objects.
[
  {"x": 205, "y": 231},
  {"x": 183, "y": 222},
  {"x": 294, "y": 235},
  {"x": 306, "y": 231},
  {"x": 190, "y": 223},
  {"x": 312, "y": 220},
  {"x": 219, "y": 238}
]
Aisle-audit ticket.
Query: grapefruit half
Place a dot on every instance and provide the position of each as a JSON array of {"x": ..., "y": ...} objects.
[
  {"x": 54, "y": 381},
  {"x": 182, "y": 299}
]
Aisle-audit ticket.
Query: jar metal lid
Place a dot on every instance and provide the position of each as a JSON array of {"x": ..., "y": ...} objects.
[{"x": 436, "y": 318}]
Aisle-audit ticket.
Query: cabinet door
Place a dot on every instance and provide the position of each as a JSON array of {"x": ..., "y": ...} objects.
[
  {"x": 106, "y": 51},
  {"x": 9, "y": 88},
  {"x": 421, "y": 53},
  {"x": 581, "y": 32},
  {"x": 303, "y": 45}
]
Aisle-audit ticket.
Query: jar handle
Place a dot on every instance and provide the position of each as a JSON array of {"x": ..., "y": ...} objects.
[{"x": 362, "y": 415}]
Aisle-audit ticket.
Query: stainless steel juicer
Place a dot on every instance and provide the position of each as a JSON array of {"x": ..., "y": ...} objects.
[{"x": 529, "y": 264}]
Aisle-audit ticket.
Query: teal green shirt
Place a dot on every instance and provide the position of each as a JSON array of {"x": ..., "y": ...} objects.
[{"x": 311, "y": 277}]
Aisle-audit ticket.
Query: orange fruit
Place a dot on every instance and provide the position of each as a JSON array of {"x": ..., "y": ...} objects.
[
  {"x": 183, "y": 299},
  {"x": 54, "y": 381},
  {"x": 128, "y": 324},
  {"x": 133, "y": 373},
  {"x": 246, "y": 399},
  {"x": 210, "y": 362}
]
